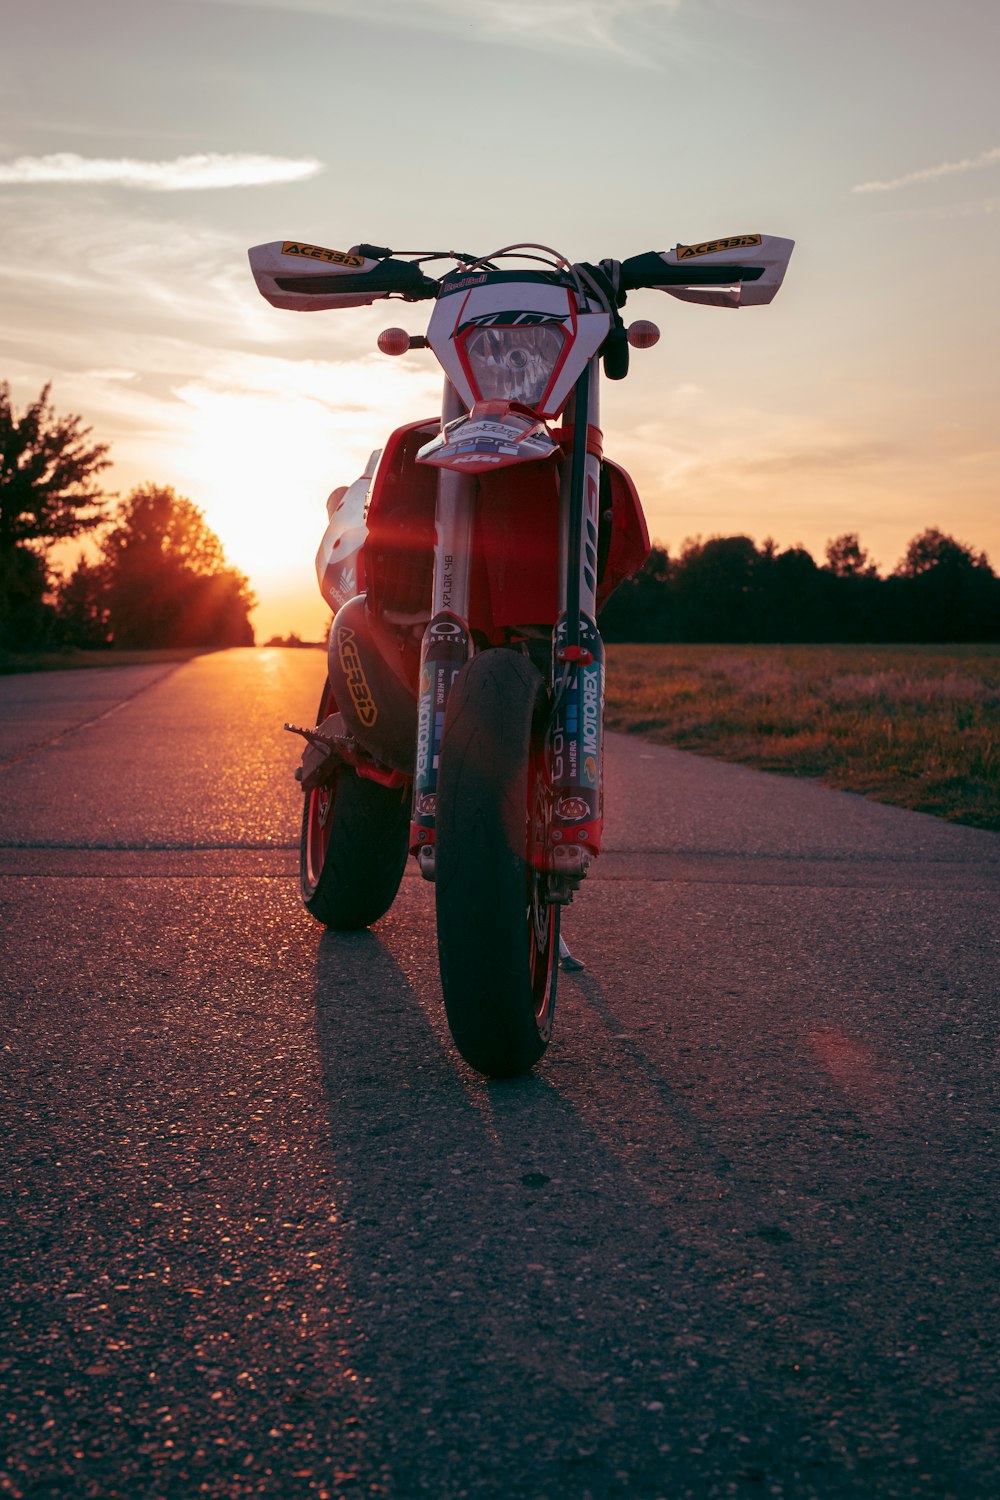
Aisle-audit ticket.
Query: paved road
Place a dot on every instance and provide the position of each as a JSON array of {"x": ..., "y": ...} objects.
[{"x": 264, "y": 1234}]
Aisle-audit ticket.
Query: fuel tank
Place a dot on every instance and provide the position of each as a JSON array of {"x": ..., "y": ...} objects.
[{"x": 373, "y": 677}]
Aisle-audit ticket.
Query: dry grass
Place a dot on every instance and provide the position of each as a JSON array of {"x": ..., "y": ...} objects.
[{"x": 918, "y": 726}]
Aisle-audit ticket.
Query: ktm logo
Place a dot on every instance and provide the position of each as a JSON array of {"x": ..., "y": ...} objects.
[
  {"x": 354, "y": 674},
  {"x": 507, "y": 318}
]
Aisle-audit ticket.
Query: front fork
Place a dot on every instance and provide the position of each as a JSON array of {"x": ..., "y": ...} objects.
[
  {"x": 576, "y": 729},
  {"x": 575, "y": 739},
  {"x": 445, "y": 649},
  {"x": 575, "y": 757},
  {"x": 447, "y": 643}
]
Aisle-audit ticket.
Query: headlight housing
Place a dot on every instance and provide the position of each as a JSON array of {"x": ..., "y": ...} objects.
[{"x": 513, "y": 364}]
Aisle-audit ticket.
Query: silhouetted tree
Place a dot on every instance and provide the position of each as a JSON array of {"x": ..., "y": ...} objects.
[
  {"x": 791, "y": 602},
  {"x": 714, "y": 586},
  {"x": 48, "y": 491},
  {"x": 846, "y": 558},
  {"x": 164, "y": 579},
  {"x": 856, "y": 602},
  {"x": 729, "y": 589},
  {"x": 82, "y": 606},
  {"x": 26, "y": 620},
  {"x": 945, "y": 591},
  {"x": 642, "y": 607}
]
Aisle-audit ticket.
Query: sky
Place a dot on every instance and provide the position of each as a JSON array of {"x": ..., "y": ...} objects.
[{"x": 144, "y": 147}]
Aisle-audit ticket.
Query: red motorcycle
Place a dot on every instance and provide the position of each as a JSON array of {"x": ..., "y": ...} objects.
[{"x": 462, "y": 719}]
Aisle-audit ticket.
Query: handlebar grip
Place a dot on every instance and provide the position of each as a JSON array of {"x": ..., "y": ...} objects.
[
  {"x": 371, "y": 252},
  {"x": 651, "y": 270},
  {"x": 400, "y": 276},
  {"x": 739, "y": 270}
]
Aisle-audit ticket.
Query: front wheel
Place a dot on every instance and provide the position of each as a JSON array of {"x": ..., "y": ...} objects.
[
  {"x": 498, "y": 936},
  {"x": 355, "y": 836}
]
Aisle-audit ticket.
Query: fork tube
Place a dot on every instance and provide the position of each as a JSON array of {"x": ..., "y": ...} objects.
[
  {"x": 447, "y": 643},
  {"x": 580, "y": 491},
  {"x": 453, "y": 520},
  {"x": 575, "y": 734}
]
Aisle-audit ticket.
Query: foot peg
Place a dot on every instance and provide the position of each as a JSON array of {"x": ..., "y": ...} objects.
[{"x": 323, "y": 752}]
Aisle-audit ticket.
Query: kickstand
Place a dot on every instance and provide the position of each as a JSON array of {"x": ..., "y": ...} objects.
[{"x": 567, "y": 962}]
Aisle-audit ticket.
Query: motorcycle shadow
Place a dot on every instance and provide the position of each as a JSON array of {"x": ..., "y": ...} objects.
[{"x": 518, "y": 1304}]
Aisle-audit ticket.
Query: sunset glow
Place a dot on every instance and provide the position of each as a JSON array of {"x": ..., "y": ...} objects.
[{"x": 142, "y": 156}]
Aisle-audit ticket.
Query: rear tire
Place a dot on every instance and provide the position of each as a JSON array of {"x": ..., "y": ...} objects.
[
  {"x": 355, "y": 838},
  {"x": 498, "y": 937}
]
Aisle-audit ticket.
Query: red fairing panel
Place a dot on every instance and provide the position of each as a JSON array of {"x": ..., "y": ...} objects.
[
  {"x": 518, "y": 539},
  {"x": 629, "y": 536},
  {"x": 515, "y": 564},
  {"x": 399, "y": 552}
]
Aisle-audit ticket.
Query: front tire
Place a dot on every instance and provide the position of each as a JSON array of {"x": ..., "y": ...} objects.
[
  {"x": 498, "y": 936},
  {"x": 355, "y": 836}
]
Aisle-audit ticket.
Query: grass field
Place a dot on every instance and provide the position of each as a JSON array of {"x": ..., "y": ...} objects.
[{"x": 918, "y": 726}]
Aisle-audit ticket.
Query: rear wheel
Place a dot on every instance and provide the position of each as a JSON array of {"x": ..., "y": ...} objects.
[
  {"x": 498, "y": 936},
  {"x": 355, "y": 836}
]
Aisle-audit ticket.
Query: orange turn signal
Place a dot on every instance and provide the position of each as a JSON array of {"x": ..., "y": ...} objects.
[
  {"x": 394, "y": 341},
  {"x": 643, "y": 334}
]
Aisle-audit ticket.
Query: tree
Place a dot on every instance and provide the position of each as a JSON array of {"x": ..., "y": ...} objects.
[
  {"x": 82, "y": 606},
  {"x": 48, "y": 491},
  {"x": 714, "y": 586},
  {"x": 934, "y": 549},
  {"x": 164, "y": 578},
  {"x": 729, "y": 589},
  {"x": 25, "y": 619},
  {"x": 640, "y": 609},
  {"x": 790, "y": 597},
  {"x": 47, "y": 474},
  {"x": 846, "y": 558},
  {"x": 945, "y": 591}
]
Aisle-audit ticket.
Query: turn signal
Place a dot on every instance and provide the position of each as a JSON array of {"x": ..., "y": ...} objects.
[
  {"x": 641, "y": 335},
  {"x": 394, "y": 341}
]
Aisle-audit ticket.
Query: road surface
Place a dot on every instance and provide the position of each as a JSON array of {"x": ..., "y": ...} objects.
[{"x": 263, "y": 1233}]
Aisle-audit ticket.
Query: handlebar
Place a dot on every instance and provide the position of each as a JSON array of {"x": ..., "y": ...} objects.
[{"x": 738, "y": 270}]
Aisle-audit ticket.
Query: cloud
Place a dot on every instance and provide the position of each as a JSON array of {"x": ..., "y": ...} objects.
[
  {"x": 154, "y": 332},
  {"x": 181, "y": 174},
  {"x": 631, "y": 29},
  {"x": 165, "y": 295},
  {"x": 929, "y": 174},
  {"x": 109, "y": 374},
  {"x": 819, "y": 458}
]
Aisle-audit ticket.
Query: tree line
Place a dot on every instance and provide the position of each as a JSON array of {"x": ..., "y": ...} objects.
[
  {"x": 730, "y": 589},
  {"x": 157, "y": 575}
]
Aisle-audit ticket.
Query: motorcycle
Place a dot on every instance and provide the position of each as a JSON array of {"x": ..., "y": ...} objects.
[{"x": 462, "y": 717}]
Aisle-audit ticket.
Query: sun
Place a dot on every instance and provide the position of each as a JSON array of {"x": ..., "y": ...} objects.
[{"x": 260, "y": 463}]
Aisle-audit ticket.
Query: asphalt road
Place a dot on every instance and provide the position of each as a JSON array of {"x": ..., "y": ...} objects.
[{"x": 264, "y": 1234}]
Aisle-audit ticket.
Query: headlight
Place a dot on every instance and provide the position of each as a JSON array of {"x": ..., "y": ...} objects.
[{"x": 513, "y": 364}]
